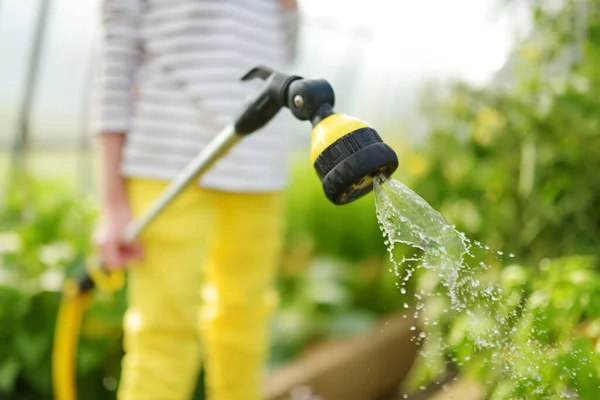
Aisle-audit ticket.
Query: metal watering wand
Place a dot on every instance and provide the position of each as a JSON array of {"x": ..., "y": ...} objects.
[{"x": 346, "y": 153}]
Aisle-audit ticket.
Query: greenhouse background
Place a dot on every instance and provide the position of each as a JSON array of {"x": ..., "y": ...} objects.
[{"x": 492, "y": 109}]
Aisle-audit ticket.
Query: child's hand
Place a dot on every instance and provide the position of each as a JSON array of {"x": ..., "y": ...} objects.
[{"x": 113, "y": 252}]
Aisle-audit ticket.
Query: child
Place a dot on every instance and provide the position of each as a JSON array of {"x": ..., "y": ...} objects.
[{"x": 201, "y": 276}]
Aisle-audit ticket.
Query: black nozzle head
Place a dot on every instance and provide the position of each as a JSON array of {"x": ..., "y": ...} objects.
[{"x": 348, "y": 167}]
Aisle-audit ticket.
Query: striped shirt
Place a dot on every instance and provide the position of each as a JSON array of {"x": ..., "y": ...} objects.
[{"x": 169, "y": 78}]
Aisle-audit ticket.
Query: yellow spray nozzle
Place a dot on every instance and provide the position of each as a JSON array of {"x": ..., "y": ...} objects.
[{"x": 346, "y": 153}]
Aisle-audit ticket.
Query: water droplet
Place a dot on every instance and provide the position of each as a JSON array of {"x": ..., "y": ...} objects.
[
  {"x": 403, "y": 291},
  {"x": 422, "y": 335},
  {"x": 412, "y": 328},
  {"x": 405, "y": 305},
  {"x": 500, "y": 252}
]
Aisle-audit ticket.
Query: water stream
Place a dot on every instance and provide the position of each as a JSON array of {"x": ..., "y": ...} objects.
[{"x": 457, "y": 288}]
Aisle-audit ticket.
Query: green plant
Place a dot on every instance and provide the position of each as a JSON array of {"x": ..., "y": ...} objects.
[
  {"x": 39, "y": 245},
  {"x": 545, "y": 348},
  {"x": 517, "y": 169}
]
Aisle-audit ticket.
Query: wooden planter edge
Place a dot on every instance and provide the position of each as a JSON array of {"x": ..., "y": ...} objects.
[{"x": 363, "y": 367}]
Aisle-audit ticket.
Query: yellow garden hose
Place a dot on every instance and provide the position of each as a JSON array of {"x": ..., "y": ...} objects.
[
  {"x": 70, "y": 313},
  {"x": 76, "y": 297}
]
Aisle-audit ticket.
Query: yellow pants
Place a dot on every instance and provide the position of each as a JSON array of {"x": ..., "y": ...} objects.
[{"x": 203, "y": 293}]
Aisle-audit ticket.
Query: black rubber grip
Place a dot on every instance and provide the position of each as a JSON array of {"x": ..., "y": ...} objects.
[
  {"x": 343, "y": 148},
  {"x": 257, "y": 113},
  {"x": 339, "y": 183}
]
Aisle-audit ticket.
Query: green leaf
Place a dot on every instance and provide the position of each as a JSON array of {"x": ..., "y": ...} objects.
[
  {"x": 9, "y": 370},
  {"x": 31, "y": 347}
]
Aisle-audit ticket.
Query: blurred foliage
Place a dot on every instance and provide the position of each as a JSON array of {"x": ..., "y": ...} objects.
[
  {"x": 38, "y": 246},
  {"x": 515, "y": 166},
  {"x": 548, "y": 316}
]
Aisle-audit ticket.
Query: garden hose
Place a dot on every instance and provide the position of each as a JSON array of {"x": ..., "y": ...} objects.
[
  {"x": 64, "y": 349},
  {"x": 346, "y": 154},
  {"x": 76, "y": 296}
]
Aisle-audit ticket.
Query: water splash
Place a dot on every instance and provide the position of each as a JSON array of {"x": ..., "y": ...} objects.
[{"x": 488, "y": 315}]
